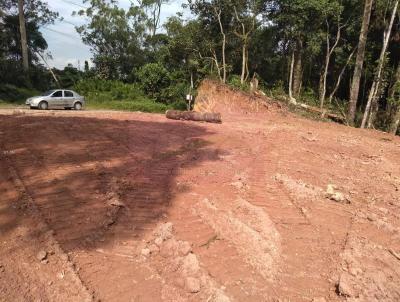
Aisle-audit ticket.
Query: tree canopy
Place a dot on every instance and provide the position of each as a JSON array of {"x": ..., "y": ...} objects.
[{"x": 327, "y": 53}]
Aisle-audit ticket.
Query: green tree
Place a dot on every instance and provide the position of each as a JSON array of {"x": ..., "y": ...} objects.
[
  {"x": 154, "y": 78},
  {"x": 114, "y": 36}
]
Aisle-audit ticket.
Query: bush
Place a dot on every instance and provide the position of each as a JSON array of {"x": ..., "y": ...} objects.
[
  {"x": 309, "y": 96},
  {"x": 235, "y": 82},
  {"x": 109, "y": 90},
  {"x": 276, "y": 91},
  {"x": 116, "y": 95},
  {"x": 154, "y": 79},
  {"x": 14, "y": 94}
]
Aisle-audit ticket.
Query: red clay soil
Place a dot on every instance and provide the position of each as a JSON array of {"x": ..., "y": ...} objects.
[{"x": 111, "y": 206}]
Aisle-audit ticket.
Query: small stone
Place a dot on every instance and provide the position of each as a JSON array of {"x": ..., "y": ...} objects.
[
  {"x": 190, "y": 265},
  {"x": 2, "y": 269},
  {"x": 61, "y": 275},
  {"x": 42, "y": 255},
  {"x": 116, "y": 202},
  {"x": 338, "y": 197},
  {"x": 165, "y": 231},
  {"x": 154, "y": 249},
  {"x": 184, "y": 248},
  {"x": 146, "y": 252},
  {"x": 158, "y": 241},
  {"x": 192, "y": 285},
  {"x": 330, "y": 190},
  {"x": 169, "y": 248},
  {"x": 344, "y": 286}
]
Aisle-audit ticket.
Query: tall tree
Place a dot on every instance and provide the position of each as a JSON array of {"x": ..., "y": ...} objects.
[
  {"x": 394, "y": 99},
  {"x": 246, "y": 13},
  {"x": 153, "y": 9},
  {"x": 22, "y": 29},
  {"x": 371, "y": 107},
  {"x": 115, "y": 36},
  {"x": 217, "y": 18},
  {"x": 355, "y": 85}
]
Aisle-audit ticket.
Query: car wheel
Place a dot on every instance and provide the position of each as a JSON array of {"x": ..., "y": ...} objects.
[
  {"x": 43, "y": 106},
  {"x": 78, "y": 106}
]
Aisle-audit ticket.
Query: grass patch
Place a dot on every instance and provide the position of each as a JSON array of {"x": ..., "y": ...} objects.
[
  {"x": 143, "y": 106},
  {"x": 7, "y": 105},
  {"x": 115, "y": 95}
]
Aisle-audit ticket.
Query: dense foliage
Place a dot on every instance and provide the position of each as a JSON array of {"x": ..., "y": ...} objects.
[{"x": 300, "y": 50}]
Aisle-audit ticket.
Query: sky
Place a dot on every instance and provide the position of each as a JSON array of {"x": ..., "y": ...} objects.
[{"x": 65, "y": 44}]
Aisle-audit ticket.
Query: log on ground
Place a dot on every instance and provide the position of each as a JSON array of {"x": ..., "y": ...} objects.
[{"x": 208, "y": 117}]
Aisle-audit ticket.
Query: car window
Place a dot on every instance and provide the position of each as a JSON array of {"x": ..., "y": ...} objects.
[
  {"x": 68, "y": 94},
  {"x": 57, "y": 94}
]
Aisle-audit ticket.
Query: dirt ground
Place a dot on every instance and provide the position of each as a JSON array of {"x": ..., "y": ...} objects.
[{"x": 111, "y": 206}]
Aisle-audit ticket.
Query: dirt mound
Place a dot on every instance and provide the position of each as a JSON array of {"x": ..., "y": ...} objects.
[{"x": 216, "y": 97}]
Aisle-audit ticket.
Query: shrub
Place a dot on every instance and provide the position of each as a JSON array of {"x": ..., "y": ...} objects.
[
  {"x": 14, "y": 94},
  {"x": 154, "y": 79},
  {"x": 144, "y": 106},
  {"x": 116, "y": 95},
  {"x": 109, "y": 90},
  {"x": 235, "y": 82}
]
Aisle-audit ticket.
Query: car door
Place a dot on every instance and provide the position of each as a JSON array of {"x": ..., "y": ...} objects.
[
  {"x": 68, "y": 98},
  {"x": 56, "y": 99}
]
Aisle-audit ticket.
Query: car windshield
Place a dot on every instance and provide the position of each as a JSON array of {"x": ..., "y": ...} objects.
[{"x": 48, "y": 93}]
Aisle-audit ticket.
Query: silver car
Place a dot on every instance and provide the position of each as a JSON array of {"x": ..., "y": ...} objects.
[{"x": 57, "y": 99}]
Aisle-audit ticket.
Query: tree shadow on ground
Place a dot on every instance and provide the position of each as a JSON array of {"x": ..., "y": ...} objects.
[{"x": 94, "y": 176}]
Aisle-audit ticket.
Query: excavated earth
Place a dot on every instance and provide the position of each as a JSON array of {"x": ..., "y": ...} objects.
[{"x": 111, "y": 206}]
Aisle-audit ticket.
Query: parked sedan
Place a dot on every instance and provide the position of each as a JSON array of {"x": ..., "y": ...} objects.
[{"x": 57, "y": 99}]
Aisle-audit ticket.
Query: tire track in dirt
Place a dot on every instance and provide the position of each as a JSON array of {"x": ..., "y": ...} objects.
[
  {"x": 248, "y": 229},
  {"x": 142, "y": 191},
  {"x": 292, "y": 210},
  {"x": 278, "y": 171},
  {"x": 74, "y": 289},
  {"x": 79, "y": 206}
]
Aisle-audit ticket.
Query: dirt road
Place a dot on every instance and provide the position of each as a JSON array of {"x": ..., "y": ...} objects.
[{"x": 133, "y": 207}]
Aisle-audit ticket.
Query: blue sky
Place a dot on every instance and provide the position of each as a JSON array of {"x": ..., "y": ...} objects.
[{"x": 65, "y": 44}]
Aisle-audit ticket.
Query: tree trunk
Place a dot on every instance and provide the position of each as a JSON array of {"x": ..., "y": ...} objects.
[
  {"x": 51, "y": 71},
  {"x": 355, "y": 85},
  {"x": 297, "y": 69},
  {"x": 22, "y": 29},
  {"x": 322, "y": 88},
  {"x": 372, "y": 104},
  {"x": 224, "y": 59},
  {"x": 218, "y": 15},
  {"x": 208, "y": 117},
  {"x": 329, "y": 52},
  {"x": 395, "y": 121},
  {"x": 339, "y": 79},
  {"x": 244, "y": 56},
  {"x": 291, "y": 98}
]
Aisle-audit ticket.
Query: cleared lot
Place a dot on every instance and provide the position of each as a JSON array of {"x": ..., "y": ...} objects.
[{"x": 134, "y": 207}]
